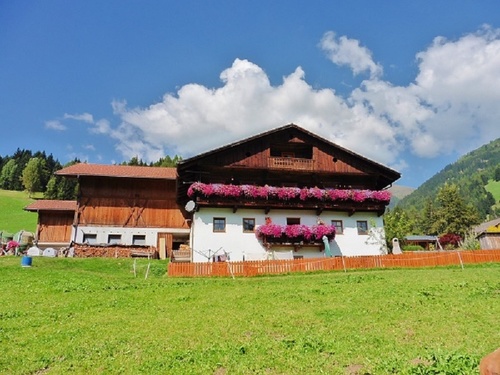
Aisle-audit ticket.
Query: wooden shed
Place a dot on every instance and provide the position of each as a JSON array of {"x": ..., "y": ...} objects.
[
  {"x": 55, "y": 220},
  {"x": 488, "y": 234}
]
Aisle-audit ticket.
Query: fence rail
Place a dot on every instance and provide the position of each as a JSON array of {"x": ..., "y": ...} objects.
[{"x": 269, "y": 267}]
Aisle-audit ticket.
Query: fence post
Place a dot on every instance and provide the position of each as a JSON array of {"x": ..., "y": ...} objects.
[{"x": 460, "y": 259}]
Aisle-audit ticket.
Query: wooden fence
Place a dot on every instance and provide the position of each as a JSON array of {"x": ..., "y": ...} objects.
[{"x": 268, "y": 267}]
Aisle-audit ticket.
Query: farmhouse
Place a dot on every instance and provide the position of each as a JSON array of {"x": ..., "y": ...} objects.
[
  {"x": 279, "y": 194},
  {"x": 285, "y": 193}
]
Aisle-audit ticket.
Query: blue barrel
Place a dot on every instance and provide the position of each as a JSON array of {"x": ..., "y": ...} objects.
[{"x": 26, "y": 261}]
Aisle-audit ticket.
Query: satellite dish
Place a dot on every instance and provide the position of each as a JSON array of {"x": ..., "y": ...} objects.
[{"x": 190, "y": 206}]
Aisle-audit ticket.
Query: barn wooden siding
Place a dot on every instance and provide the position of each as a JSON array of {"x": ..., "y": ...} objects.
[
  {"x": 54, "y": 226},
  {"x": 406, "y": 260},
  {"x": 489, "y": 240},
  {"x": 129, "y": 203}
]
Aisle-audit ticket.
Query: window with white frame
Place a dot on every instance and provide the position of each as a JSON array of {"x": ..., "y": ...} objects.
[
  {"x": 114, "y": 239},
  {"x": 139, "y": 239},
  {"x": 90, "y": 238}
]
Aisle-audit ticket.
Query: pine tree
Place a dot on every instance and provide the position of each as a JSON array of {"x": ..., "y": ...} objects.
[{"x": 453, "y": 214}]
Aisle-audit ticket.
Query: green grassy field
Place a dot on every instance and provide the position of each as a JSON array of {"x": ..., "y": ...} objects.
[
  {"x": 92, "y": 316},
  {"x": 494, "y": 188},
  {"x": 12, "y": 216}
]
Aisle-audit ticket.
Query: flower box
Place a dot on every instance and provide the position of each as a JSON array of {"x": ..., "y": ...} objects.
[{"x": 262, "y": 193}]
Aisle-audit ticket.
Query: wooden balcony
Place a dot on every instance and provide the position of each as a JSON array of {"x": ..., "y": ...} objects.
[{"x": 295, "y": 164}]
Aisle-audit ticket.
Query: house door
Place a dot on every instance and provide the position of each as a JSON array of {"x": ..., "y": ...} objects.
[{"x": 164, "y": 244}]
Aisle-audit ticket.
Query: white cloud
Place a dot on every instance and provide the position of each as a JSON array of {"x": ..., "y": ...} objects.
[
  {"x": 54, "y": 125},
  {"x": 346, "y": 51},
  {"x": 452, "y": 106},
  {"x": 85, "y": 117}
]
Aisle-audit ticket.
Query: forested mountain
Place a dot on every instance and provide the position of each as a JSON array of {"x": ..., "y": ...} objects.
[{"x": 473, "y": 174}]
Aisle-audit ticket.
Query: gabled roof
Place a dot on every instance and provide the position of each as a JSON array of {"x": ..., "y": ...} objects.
[
  {"x": 51, "y": 205},
  {"x": 486, "y": 227},
  {"x": 118, "y": 171},
  {"x": 394, "y": 174}
]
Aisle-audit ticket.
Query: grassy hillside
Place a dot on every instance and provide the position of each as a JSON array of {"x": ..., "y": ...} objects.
[
  {"x": 92, "y": 316},
  {"x": 12, "y": 216},
  {"x": 494, "y": 188},
  {"x": 471, "y": 173}
]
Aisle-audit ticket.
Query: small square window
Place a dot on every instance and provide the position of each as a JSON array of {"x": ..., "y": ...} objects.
[
  {"x": 292, "y": 220},
  {"x": 219, "y": 224},
  {"x": 90, "y": 238},
  {"x": 114, "y": 239},
  {"x": 139, "y": 239},
  {"x": 362, "y": 226},
  {"x": 248, "y": 225},
  {"x": 339, "y": 226}
]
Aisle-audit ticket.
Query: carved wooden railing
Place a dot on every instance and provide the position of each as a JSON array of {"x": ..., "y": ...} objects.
[{"x": 297, "y": 164}]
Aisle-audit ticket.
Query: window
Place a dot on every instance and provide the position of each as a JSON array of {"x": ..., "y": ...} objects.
[
  {"x": 114, "y": 239},
  {"x": 339, "y": 226},
  {"x": 362, "y": 226},
  {"x": 139, "y": 239},
  {"x": 248, "y": 225},
  {"x": 219, "y": 224},
  {"x": 292, "y": 220},
  {"x": 89, "y": 238}
]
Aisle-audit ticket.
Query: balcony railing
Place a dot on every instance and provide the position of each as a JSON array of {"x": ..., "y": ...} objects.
[{"x": 296, "y": 164}]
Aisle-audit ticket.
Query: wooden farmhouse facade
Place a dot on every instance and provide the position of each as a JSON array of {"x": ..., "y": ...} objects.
[
  {"x": 285, "y": 193},
  {"x": 127, "y": 205},
  {"x": 278, "y": 194}
]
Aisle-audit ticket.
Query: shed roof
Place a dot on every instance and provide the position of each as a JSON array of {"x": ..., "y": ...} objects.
[
  {"x": 51, "y": 205},
  {"x": 485, "y": 227},
  {"x": 118, "y": 171},
  {"x": 421, "y": 238}
]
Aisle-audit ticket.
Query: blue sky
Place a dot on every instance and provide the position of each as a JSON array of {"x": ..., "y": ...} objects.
[{"x": 410, "y": 84}]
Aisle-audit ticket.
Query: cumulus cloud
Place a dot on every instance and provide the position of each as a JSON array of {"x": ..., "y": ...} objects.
[
  {"x": 451, "y": 106},
  {"x": 346, "y": 51}
]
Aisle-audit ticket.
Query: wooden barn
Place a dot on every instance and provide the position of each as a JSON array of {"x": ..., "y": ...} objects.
[
  {"x": 55, "y": 222},
  {"x": 275, "y": 194},
  {"x": 127, "y": 205}
]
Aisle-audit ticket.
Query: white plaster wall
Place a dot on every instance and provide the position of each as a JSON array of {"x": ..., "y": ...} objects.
[
  {"x": 239, "y": 245},
  {"x": 350, "y": 243},
  {"x": 126, "y": 233}
]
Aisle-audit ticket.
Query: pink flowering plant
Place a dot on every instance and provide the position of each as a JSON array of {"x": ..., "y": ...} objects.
[
  {"x": 287, "y": 193},
  {"x": 294, "y": 233}
]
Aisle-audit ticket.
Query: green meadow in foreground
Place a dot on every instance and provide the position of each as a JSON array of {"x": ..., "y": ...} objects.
[{"x": 94, "y": 316}]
